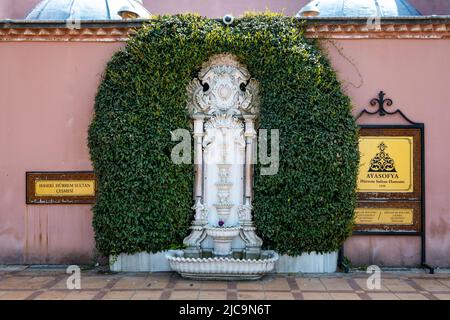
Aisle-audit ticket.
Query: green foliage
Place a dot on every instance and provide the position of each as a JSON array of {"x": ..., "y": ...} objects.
[{"x": 144, "y": 199}]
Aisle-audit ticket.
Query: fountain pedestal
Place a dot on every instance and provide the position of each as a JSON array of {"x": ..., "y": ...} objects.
[{"x": 222, "y": 238}]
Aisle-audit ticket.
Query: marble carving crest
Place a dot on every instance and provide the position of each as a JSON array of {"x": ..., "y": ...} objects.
[{"x": 223, "y": 86}]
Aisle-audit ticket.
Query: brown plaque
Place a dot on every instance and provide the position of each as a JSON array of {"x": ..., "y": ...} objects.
[
  {"x": 390, "y": 164},
  {"x": 389, "y": 185},
  {"x": 380, "y": 216},
  {"x": 61, "y": 187}
]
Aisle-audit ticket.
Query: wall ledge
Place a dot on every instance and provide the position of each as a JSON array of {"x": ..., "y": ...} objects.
[{"x": 433, "y": 27}]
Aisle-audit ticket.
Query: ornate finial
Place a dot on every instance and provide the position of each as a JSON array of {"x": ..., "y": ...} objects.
[
  {"x": 382, "y": 146},
  {"x": 381, "y": 102}
]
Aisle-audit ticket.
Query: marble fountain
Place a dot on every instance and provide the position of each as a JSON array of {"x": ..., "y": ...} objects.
[{"x": 223, "y": 104}]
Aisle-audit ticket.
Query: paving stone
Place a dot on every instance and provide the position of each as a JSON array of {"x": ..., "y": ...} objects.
[
  {"x": 80, "y": 295},
  {"x": 130, "y": 283},
  {"x": 310, "y": 284},
  {"x": 52, "y": 295},
  {"x": 344, "y": 296},
  {"x": 250, "y": 285},
  {"x": 184, "y": 284},
  {"x": 141, "y": 283},
  {"x": 445, "y": 282},
  {"x": 212, "y": 295},
  {"x": 157, "y": 282},
  {"x": 317, "y": 296},
  {"x": 336, "y": 284},
  {"x": 397, "y": 285},
  {"x": 42, "y": 285},
  {"x": 87, "y": 282},
  {"x": 382, "y": 296},
  {"x": 214, "y": 285},
  {"x": 431, "y": 285},
  {"x": 118, "y": 295},
  {"x": 15, "y": 295},
  {"x": 440, "y": 296},
  {"x": 276, "y": 284},
  {"x": 251, "y": 295},
  {"x": 363, "y": 284},
  {"x": 411, "y": 296},
  {"x": 184, "y": 295},
  {"x": 146, "y": 295},
  {"x": 270, "y": 295},
  {"x": 25, "y": 282}
]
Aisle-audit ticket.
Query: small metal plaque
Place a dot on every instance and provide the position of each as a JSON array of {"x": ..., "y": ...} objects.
[
  {"x": 387, "y": 216},
  {"x": 375, "y": 216},
  {"x": 61, "y": 187}
]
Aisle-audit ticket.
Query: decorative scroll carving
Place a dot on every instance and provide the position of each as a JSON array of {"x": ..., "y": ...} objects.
[
  {"x": 224, "y": 123},
  {"x": 201, "y": 211},
  {"x": 252, "y": 241},
  {"x": 194, "y": 239},
  {"x": 223, "y": 86},
  {"x": 245, "y": 212}
]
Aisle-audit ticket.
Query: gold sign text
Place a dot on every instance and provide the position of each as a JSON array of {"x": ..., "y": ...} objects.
[
  {"x": 386, "y": 164},
  {"x": 382, "y": 216},
  {"x": 64, "y": 188}
]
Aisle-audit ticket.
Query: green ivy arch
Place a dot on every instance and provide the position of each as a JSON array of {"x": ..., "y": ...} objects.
[{"x": 144, "y": 201}]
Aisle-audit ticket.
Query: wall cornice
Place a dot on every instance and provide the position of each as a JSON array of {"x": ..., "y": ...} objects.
[{"x": 434, "y": 27}]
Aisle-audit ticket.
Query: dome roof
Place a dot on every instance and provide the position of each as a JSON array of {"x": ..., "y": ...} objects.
[
  {"x": 85, "y": 9},
  {"x": 358, "y": 8}
]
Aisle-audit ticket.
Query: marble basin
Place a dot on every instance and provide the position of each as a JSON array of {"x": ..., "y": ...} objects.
[
  {"x": 222, "y": 237},
  {"x": 221, "y": 268}
]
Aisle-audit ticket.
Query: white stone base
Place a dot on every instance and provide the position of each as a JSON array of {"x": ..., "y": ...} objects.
[
  {"x": 140, "y": 262},
  {"x": 157, "y": 262},
  {"x": 308, "y": 263}
]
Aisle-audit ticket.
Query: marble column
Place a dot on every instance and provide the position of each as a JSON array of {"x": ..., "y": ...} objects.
[
  {"x": 250, "y": 137},
  {"x": 198, "y": 156},
  {"x": 248, "y": 232},
  {"x": 193, "y": 241}
]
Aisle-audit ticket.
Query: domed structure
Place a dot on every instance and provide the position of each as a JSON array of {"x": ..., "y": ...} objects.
[
  {"x": 88, "y": 10},
  {"x": 358, "y": 8}
]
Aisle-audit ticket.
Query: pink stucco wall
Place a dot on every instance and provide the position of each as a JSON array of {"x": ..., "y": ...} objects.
[
  {"x": 430, "y": 7},
  {"x": 415, "y": 74},
  {"x": 46, "y": 96},
  {"x": 46, "y": 99},
  {"x": 18, "y": 9},
  {"x": 5, "y": 11}
]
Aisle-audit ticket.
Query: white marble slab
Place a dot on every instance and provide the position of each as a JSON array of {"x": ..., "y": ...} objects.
[{"x": 157, "y": 262}]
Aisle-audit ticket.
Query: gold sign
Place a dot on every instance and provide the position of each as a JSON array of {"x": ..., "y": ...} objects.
[
  {"x": 61, "y": 188},
  {"x": 386, "y": 164},
  {"x": 384, "y": 216},
  {"x": 390, "y": 185}
]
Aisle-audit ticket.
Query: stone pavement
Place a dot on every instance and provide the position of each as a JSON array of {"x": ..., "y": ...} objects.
[{"x": 44, "y": 283}]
